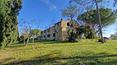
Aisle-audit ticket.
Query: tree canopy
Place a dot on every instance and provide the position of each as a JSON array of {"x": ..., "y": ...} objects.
[
  {"x": 35, "y": 32},
  {"x": 107, "y": 16},
  {"x": 70, "y": 11}
]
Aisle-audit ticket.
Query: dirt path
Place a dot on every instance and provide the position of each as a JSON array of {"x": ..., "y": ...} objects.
[{"x": 4, "y": 56}]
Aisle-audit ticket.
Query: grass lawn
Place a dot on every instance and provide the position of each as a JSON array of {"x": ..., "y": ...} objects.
[{"x": 85, "y": 52}]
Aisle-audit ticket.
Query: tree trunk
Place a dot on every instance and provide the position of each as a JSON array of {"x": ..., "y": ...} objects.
[
  {"x": 99, "y": 20},
  {"x": 27, "y": 41},
  {"x": 24, "y": 41},
  {"x": 33, "y": 40}
]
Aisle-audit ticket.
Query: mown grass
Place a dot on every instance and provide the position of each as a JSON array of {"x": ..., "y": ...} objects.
[{"x": 87, "y": 52}]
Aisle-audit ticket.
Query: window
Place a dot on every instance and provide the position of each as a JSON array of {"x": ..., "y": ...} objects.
[
  {"x": 53, "y": 34},
  {"x": 45, "y": 31},
  {"x": 68, "y": 24},
  {"x": 44, "y": 36},
  {"x": 48, "y": 35},
  {"x": 71, "y": 25}
]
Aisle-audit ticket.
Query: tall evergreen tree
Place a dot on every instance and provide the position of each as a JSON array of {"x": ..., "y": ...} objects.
[
  {"x": 9, "y": 9},
  {"x": 94, "y": 4}
]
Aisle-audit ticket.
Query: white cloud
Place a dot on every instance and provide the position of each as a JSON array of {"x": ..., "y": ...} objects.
[{"x": 50, "y": 5}]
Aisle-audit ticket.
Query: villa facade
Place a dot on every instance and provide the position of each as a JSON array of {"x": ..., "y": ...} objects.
[{"x": 59, "y": 31}]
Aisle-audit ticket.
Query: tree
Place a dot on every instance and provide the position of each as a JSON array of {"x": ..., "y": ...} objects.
[
  {"x": 25, "y": 31},
  {"x": 107, "y": 17},
  {"x": 85, "y": 31},
  {"x": 99, "y": 20},
  {"x": 70, "y": 11},
  {"x": 9, "y": 9},
  {"x": 71, "y": 34},
  {"x": 35, "y": 33},
  {"x": 81, "y": 32},
  {"x": 26, "y": 35},
  {"x": 28, "y": 30},
  {"x": 88, "y": 5}
]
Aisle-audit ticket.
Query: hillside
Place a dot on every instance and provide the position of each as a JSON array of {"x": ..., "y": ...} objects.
[{"x": 84, "y": 52}]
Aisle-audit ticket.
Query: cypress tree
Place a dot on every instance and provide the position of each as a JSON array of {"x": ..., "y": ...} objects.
[{"x": 9, "y": 10}]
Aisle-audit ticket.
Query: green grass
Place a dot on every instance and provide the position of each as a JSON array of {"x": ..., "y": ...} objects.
[{"x": 87, "y": 52}]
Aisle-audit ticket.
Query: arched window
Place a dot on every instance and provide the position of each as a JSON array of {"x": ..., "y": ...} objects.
[{"x": 68, "y": 24}]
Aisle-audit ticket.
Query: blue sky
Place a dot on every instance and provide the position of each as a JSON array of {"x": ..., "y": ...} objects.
[{"x": 44, "y": 13}]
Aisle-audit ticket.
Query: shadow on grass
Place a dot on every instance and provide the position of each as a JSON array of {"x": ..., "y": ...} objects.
[
  {"x": 37, "y": 42},
  {"x": 53, "y": 42},
  {"x": 77, "y": 60},
  {"x": 15, "y": 45}
]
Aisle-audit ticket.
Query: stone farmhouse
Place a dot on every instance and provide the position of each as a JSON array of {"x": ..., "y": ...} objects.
[{"x": 59, "y": 31}]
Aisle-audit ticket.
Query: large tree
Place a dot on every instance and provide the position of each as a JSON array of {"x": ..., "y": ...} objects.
[
  {"x": 87, "y": 5},
  {"x": 107, "y": 17},
  {"x": 9, "y": 9}
]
